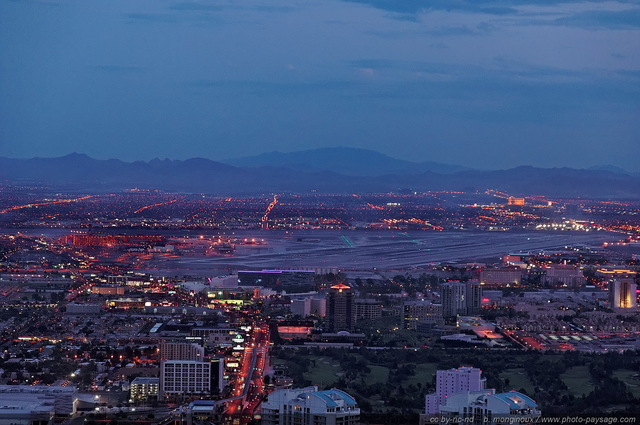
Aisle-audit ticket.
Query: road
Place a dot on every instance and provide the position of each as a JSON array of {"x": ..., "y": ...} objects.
[{"x": 242, "y": 406}]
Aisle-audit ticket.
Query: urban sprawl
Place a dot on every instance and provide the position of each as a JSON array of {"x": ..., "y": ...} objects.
[{"x": 159, "y": 308}]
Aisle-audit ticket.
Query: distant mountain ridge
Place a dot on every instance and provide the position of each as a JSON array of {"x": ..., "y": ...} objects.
[
  {"x": 341, "y": 160},
  {"x": 79, "y": 172}
]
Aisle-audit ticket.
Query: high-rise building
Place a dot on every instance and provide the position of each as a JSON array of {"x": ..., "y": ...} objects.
[
  {"x": 422, "y": 311},
  {"x": 453, "y": 381},
  {"x": 217, "y": 374},
  {"x": 340, "y": 309},
  {"x": 181, "y": 350},
  {"x": 622, "y": 294},
  {"x": 184, "y": 378},
  {"x": 309, "y": 305},
  {"x": 461, "y": 298},
  {"x": 367, "y": 309},
  {"x": 308, "y": 406},
  {"x": 184, "y": 371},
  {"x": 319, "y": 307}
]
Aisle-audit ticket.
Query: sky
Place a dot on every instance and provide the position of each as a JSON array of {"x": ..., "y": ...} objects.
[{"x": 480, "y": 83}]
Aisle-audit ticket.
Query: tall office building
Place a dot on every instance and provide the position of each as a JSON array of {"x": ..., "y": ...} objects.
[
  {"x": 340, "y": 309},
  {"x": 181, "y": 350},
  {"x": 453, "y": 381},
  {"x": 184, "y": 371},
  {"x": 367, "y": 309},
  {"x": 308, "y": 406},
  {"x": 461, "y": 298},
  {"x": 622, "y": 294}
]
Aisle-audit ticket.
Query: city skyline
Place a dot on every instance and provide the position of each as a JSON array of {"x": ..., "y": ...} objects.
[
  {"x": 345, "y": 212},
  {"x": 499, "y": 83}
]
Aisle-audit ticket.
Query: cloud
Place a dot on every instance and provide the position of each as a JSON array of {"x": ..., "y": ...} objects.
[
  {"x": 194, "y": 6},
  {"x": 116, "y": 69},
  {"x": 412, "y": 7},
  {"x": 270, "y": 87},
  {"x": 501, "y": 67},
  {"x": 631, "y": 74},
  {"x": 609, "y": 19},
  {"x": 152, "y": 17},
  {"x": 507, "y": 91},
  {"x": 483, "y": 28}
]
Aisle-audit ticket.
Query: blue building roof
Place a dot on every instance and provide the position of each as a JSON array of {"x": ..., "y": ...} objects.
[
  {"x": 349, "y": 401},
  {"x": 324, "y": 397},
  {"x": 516, "y": 400},
  {"x": 331, "y": 397}
]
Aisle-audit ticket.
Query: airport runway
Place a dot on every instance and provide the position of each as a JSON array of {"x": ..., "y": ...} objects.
[{"x": 365, "y": 250}]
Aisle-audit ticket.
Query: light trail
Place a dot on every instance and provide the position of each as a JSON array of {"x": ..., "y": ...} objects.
[
  {"x": 395, "y": 222},
  {"x": 265, "y": 217},
  {"x": 139, "y": 210},
  {"x": 485, "y": 217},
  {"x": 497, "y": 193},
  {"x": 40, "y": 204},
  {"x": 375, "y": 207}
]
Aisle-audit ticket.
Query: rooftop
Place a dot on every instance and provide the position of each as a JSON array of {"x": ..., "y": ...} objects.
[{"x": 517, "y": 400}]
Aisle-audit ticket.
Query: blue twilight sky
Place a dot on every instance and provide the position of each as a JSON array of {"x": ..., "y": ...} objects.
[{"x": 482, "y": 83}]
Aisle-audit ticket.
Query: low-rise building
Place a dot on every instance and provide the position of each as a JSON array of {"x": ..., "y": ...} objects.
[
  {"x": 143, "y": 388},
  {"x": 569, "y": 275},
  {"x": 63, "y": 399},
  {"x": 499, "y": 277}
]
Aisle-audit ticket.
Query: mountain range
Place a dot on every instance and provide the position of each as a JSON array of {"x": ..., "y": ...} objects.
[
  {"x": 330, "y": 170},
  {"x": 346, "y": 161}
]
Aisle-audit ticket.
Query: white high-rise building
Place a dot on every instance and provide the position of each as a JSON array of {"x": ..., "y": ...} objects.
[
  {"x": 453, "y": 381},
  {"x": 301, "y": 306},
  {"x": 308, "y": 406},
  {"x": 307, "y": 306},
  {"x": 180, "y": 378}
]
